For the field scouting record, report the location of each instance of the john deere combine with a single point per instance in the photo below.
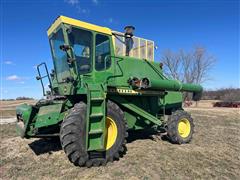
(104, 84)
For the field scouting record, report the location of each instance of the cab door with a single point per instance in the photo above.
(103, 58)
(61, 66)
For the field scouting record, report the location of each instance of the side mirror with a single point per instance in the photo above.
(64, 47)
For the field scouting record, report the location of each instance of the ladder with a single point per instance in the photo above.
(96, 115)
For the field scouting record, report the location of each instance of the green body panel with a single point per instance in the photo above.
(143, 108)
(24, 114)
(173, 100)
(147, 110)
(48, 115)
(25, 111)
(34, 118)
(126, 67)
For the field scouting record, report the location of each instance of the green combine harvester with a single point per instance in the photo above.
(104, 84)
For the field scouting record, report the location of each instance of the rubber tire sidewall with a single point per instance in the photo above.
(172, 127)
(113, 111)
(73, 135)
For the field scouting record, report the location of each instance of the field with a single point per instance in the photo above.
(7, 108)
(212, 154)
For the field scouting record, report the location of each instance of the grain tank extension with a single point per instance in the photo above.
(103, 85)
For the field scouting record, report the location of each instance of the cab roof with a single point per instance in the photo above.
(74, 22)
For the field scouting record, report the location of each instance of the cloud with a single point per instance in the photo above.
(8, 63)
(82, 10)
(110, 20)
(13, 78)
(72, 2)
(95, 2)
(76, 4)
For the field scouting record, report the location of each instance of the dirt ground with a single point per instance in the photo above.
(214, 153)
(7, 108)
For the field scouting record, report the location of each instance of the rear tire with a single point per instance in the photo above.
(180, 127)
(73, 135)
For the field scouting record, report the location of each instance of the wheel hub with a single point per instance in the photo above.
(184, 128)
(111, 135)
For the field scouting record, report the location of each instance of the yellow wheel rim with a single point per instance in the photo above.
(184, 128)
(111, 132)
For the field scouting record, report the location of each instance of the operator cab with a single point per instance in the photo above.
(83, 46)
(72, 42)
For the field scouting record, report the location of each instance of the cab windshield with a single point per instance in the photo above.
(59, 56)
(81, 42)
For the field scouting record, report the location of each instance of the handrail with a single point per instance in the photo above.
(40, 77)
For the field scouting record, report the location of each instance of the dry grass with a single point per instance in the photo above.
(8, 108)
(212, 154)
(5, 104)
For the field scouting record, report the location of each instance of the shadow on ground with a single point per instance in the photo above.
(49, 145)
(46, 145)
(144, 135)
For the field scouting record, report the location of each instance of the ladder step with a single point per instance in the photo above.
(95, 115)
(96, 131)
(96, 99)
(95, 90)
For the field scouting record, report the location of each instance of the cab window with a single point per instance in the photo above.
(102, 54)
(59, 56)
(81, 41)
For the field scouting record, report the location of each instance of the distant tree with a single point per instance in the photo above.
(24, 98)
(188, 67)
(226, 94)
(7, 99)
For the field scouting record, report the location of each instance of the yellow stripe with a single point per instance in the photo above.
(78, 23)
(114, 45)
(138, 92)
(122, 91)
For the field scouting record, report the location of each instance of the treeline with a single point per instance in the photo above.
(224, 94)
(24, 98)
(18, 98)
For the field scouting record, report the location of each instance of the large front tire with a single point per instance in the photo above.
(73, 135)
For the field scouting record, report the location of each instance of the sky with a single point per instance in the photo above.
(171, 24)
